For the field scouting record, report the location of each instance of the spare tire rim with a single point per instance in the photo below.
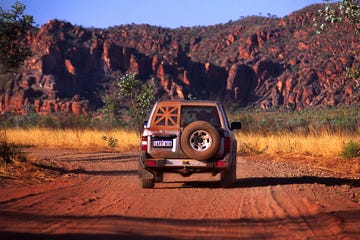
(200, 140)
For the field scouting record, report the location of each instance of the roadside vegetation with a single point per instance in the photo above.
(116, 139)
(328, 132)
(314, 132)
(320, 145)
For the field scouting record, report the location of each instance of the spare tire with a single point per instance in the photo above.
(200, 140)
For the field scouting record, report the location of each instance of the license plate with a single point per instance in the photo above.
(162, 143)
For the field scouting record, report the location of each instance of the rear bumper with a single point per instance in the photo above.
(179, 165)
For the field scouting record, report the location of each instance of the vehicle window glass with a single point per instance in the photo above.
(191, 114)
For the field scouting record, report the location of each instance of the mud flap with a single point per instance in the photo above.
(142, 173)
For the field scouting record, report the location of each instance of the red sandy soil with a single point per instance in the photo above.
(97, 195)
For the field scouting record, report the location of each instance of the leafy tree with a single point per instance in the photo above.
(139, 96)
(343, 11)
(14, 25)
(136, 96)
(112, 109)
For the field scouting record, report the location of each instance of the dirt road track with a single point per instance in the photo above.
(98, 197)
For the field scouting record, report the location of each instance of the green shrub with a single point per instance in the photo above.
(111, 142)
(351, 150)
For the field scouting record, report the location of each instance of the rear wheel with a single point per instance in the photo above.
(159, 177)
(228, 176)
(147, 183)
(147, 179)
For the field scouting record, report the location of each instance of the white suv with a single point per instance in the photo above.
(187, 137)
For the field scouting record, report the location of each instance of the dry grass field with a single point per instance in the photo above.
(323, 144)
(72, 138)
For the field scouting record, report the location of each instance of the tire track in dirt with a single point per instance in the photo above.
(32, 193)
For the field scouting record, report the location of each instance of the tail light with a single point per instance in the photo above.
(150, 163)
(221, 164)
(144, 144)
(227, 144)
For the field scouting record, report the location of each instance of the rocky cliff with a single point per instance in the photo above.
(255, 61)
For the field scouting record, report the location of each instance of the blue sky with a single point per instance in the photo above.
(165, 13)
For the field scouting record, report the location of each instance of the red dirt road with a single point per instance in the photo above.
(98, 197)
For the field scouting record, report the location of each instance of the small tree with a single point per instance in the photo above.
(129, 92)
(111, 111)
(14, 26)
(139, 96)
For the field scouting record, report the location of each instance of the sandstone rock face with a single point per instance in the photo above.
(256, 61)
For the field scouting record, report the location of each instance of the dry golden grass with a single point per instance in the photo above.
(323, 144)
(71, 138)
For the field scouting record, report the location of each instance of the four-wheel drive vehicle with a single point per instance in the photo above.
(187, 137)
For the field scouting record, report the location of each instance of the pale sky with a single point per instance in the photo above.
(165, 13)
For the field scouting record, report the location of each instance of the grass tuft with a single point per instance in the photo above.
(9, 151)
(351, 150)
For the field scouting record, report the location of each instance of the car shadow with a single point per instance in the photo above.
(272, 181)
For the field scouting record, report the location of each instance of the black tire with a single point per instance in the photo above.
(147, 183)
(159, 177)
(200, 140)
(228, 176)
(147, 179)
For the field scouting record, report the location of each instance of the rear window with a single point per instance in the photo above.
(166, 116)
(191, 114)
